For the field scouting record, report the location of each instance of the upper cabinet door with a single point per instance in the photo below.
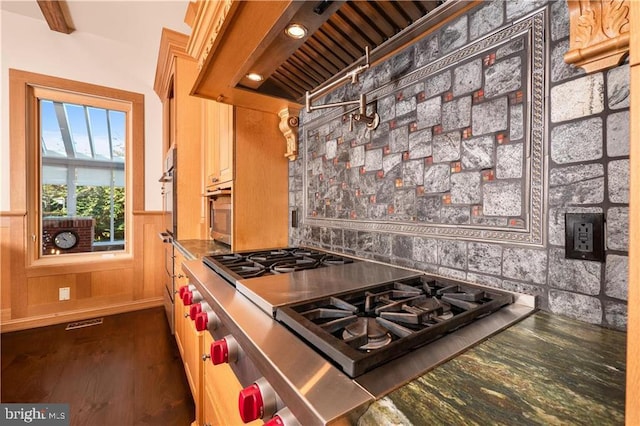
(227, 143)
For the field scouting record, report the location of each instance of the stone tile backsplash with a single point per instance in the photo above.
(476, 161)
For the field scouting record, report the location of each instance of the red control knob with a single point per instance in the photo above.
(207, 320)
(275, 421)
(250, 403)
(182, 290)
(191, 296)
(194, 310)
(257, 401)
(219, 352)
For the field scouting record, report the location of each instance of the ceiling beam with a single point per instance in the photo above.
(54, 14)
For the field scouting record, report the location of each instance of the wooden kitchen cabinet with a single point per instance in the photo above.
(190, 340)
(218, 140)
(244, 152)
(176, 72)
(220, 392)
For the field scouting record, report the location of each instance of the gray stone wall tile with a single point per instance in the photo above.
(485, 258)
(503, 77)
(518, 8)
(373, 160)
(577, 141)
(615, 314)
(331, 149)
(577, 173)
(389, 162)
(387, 108)
(618, 173)
(437, 84)
(356, 156)
(482, 279)
(509, 161)
(477, 153)
(486, 19)
(426, 50)
(428, 209)
(425, 250)
(406, 106)
(618, 87)
(429, 112)
(453, 35)
(524, 264)
(456, 114)
(516, 127)
(402, 246)
(399, 139)
(616, 278)
(453, 215)
(580, 276)
(502, 199)
(514, 46)
(413, 173)
(465, 188)
(436, 178)
(420, 143)
(560, 70)
(577, 98)
(446, 147)
(618, 228)
(585, 192)
(557, 222)
(489, 116)
(452, 253)
(618, 134)
(467, 77)
(451, 273)
(576, 306)
(337, 238)
(560, 20)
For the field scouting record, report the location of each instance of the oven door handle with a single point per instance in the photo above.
(218, 192)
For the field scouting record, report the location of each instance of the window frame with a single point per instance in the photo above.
(25, 89)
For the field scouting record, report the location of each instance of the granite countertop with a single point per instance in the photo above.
(195, 249)
(546, 369)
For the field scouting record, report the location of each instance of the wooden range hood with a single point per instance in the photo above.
(233, 38)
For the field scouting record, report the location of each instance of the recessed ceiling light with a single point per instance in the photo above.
(255, 76)
(296, 31)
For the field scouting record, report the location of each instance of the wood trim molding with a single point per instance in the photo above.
(289, 128)
(56, 14)
(599, 33)
(81, 314)
(172, 44)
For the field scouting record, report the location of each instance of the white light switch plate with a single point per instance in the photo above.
(64, 293)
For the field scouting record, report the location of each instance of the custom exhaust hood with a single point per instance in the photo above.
(232, 39)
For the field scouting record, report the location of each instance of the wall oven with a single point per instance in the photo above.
(220, 215)
(168, 180)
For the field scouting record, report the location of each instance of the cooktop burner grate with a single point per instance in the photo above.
(243, 265)
(362, 329)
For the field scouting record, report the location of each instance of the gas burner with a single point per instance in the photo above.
(293, 265)
(248, 269)
(269, 255)
(331, 259)
(229, 259)
(366, 334)
(362, 329)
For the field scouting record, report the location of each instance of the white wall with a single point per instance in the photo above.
(29, 45)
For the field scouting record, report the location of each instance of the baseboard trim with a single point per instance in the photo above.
(77, 315)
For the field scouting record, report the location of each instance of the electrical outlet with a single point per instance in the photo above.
(294, 218)
(64, 293)
(584, 236)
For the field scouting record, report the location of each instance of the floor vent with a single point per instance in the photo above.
(85, 323)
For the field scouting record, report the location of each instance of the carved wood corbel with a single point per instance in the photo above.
(598, 33)
(289, 128)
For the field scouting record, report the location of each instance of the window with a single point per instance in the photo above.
(82, 180)
(83, 151)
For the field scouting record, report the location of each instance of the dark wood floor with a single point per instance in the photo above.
(126, 371)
